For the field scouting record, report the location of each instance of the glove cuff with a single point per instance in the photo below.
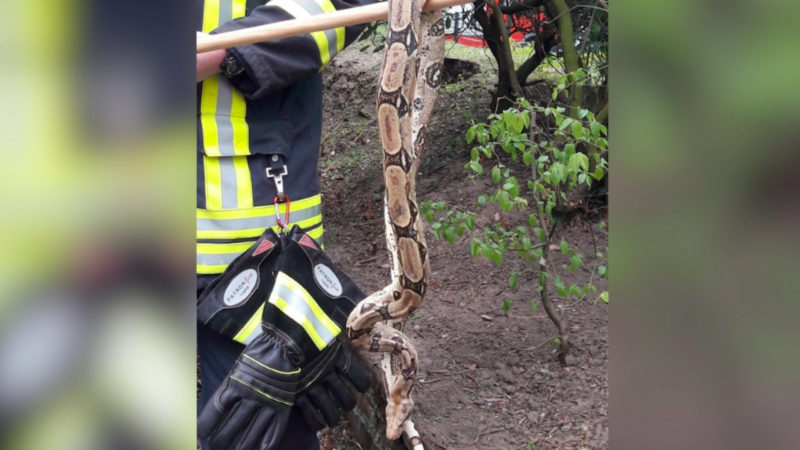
(231, 304)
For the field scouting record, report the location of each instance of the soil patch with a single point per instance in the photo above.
(488, 378)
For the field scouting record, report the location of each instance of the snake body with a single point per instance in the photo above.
(407, 90)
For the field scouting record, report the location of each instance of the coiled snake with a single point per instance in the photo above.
(407, 91)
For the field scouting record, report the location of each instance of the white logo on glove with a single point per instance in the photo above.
(240, 287)
(327, 280)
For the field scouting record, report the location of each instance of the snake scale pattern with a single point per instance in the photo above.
(407, 90)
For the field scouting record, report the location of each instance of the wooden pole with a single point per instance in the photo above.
(277, 30)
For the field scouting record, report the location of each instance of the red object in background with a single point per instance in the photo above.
(470, 41)
(520, 27)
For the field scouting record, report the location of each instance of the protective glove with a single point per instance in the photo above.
(232, 304)
(251, 408)
(323, 394)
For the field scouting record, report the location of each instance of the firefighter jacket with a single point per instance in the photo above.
(269, 117)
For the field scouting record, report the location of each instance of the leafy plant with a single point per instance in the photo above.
(549, 164)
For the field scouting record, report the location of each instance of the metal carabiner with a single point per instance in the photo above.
(275, 202)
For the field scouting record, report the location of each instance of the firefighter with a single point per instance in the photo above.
(258, 134)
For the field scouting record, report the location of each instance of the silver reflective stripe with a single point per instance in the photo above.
(227, 175)
(250, 223)
(224, 125)
(302, 310)
(256, 333)
(313, 8)
(225, 11)
(223, 117)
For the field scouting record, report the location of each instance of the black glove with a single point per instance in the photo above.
(231, 304)
(252, 406)
(322, 393)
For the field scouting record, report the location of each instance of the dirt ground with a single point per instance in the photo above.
(488, 379)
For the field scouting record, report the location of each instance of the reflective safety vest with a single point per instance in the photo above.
(269, 117)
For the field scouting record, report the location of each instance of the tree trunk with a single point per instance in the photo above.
(545, 40)
(558, 9)
(495, 33)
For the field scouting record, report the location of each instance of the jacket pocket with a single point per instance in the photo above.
(230, 135)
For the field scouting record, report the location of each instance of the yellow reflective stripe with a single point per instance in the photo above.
(328, 7)
(208, 98)
(210, 15)
(211, 270)
(213, 179)
(298, 12)
(238, 110)
(294, 301)
(261, 392)
(237, 248)
(238, 9)
(252, 232)
(316, 234)
(289, 282)
(208, 122)
(303, 321)
(259, 211)
(244, 186)
(250, 326)
(292, 372)
(241, 131)
(221, 248)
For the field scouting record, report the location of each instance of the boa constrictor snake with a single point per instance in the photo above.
(407, 91)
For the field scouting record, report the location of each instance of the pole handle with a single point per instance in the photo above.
(295, 27)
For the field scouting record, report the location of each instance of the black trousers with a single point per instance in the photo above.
(217, 355)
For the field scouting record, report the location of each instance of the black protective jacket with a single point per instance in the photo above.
(270, 116)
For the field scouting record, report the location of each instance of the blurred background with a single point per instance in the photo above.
(97, 187)
(705, 224)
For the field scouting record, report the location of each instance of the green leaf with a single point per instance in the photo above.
(603, 297)
(567, 122)
(513, 280)
(602, 225)
(506, 304)
(429, 215)
(496, 174)
(577, 130)
(481, 199)
(602, 271)
(469, 223)
(559, 284)
(476, 167)
(576, 261)
(450, 235)
(578, 161)
(473, 248)
(532, 221)
(527, 158)
(574, 290)
(564, 247)
(534, 305)
(595, 128)
(470, 135)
